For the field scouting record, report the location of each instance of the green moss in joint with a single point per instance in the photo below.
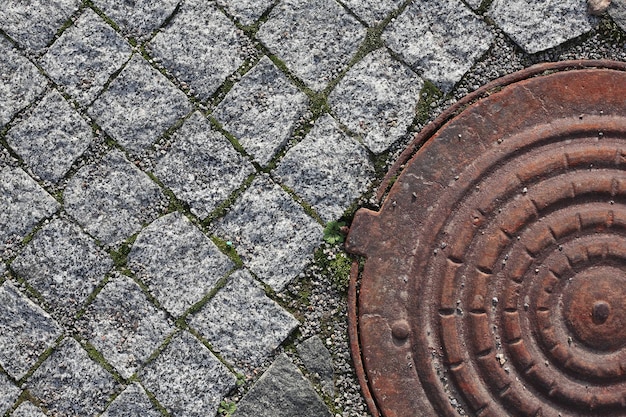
(429, 94)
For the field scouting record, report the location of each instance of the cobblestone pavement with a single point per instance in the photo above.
(168, 169)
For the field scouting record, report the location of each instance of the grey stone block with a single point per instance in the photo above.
(8, 393)
(242, 323)
(318, 361)
(51, 137)
(440, 39)
(474, 4)
(200, 46)
(377, 99)
(132, 402)
(271, 233)
(617, 11)
(373, 11)
(20, 82)
(187, 379)
(70, 384)
(132, 327)
(328, 169)
(282, 391)
(85, 56)
(139, 105)
(26, 331)
(112, 199)
(178, 262)
(201, 167)
(315, 38)
(536, 26)
(246, 11)
(262, 110)
(138, 18)
(27, 409)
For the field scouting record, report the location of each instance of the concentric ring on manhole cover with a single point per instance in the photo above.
(495, 274)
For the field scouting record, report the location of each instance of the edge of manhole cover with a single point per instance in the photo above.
(494, 280)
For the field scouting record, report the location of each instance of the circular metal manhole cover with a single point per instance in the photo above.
(495, 274)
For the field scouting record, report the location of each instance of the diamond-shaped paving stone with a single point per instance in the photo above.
(201, 47)
(8, 393)
(20, 82)
(85, 56)
(316, 38)
(373, 11)
(271, 232)
(441, 39)
(328, 169)
(139, 105)
(261, 110)
(27, 409)
(539, 25)
(132, 402)
(138, 18)
(246, 11)
(26, 331)
(63, 264)
(124, 326)
(51, 137)
(178, 262)
(112, 199)
(242, 323)
(187, 379)
(377, 99)
(34, 23)
(70, 384)
(23, 203)
(202, 168)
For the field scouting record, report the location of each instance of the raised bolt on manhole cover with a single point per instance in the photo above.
(494, 280)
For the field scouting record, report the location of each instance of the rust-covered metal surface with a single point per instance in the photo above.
(494, 280)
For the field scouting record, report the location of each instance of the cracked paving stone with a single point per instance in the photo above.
(132, 402)
(137, 18)
(536, 26)
(27, 409)
(20, 82)
(282, 391)
(139, 106)
(112, 199)
(242, 323)
(377, 99)
(246, 11)
(271, 232)
(8, 393)
(26, 331)
(51, 137)
(262, 110)
(440, 39)
(70, 384)
(187, 379)
(178, 263)
(33, 24)
(123, 325)
(23, 204)
(200, 47)
(328, 169)
(85, 56)
(63, 264)
(373, 11)
(201, 167)
(316, 38)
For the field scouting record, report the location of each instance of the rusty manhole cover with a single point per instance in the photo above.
(495, 275)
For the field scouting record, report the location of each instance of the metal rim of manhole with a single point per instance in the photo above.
(494, 274)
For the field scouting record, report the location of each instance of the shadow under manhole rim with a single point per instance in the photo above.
(494, 280)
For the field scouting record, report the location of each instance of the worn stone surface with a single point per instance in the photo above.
(27, 409)
(246, 11)
(132, 402)
(328, 169)
(201, 167)
(318, 361)
(373, 12)
(242, 323)
(26, 331)
(69, 383)
(262, 110)
(617, 11)
(271, 232)
(316, 39)
(187, 379)
(179, 264)
(440, 39)
(536, 26)
(51, 137)
(85, 56)
(139, 105)
(200, 46)
(8, 393)
(112, 199)
(138, 18)
(282, 391)
(377, 99)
